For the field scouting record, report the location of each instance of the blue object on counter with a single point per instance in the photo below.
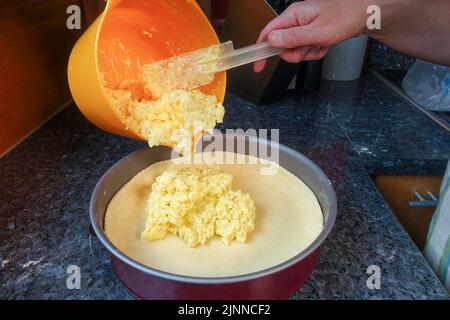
(428, 84)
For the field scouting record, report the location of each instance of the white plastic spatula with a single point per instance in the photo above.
(195, 69)
(232, 58)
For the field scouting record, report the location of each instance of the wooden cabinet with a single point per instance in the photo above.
(35, 44)
(92, 9)
(206, 6)
(398, 191)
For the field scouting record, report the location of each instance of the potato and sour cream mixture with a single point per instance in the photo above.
(202, 220)
(173, 120)
(196, 204)
(167, 117)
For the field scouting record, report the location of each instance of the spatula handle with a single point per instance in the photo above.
(249, 54)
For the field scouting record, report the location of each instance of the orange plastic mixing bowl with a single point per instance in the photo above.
(129, 34)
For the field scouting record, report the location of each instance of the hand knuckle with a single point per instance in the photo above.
(325, 41)
(290, 37)
(294, 6)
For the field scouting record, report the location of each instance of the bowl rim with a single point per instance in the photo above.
(332, 212)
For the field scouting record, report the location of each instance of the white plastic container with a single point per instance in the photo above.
(345, 60)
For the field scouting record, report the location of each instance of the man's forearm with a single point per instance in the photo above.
(416, 27)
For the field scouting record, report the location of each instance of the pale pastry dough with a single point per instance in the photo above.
(288, 219)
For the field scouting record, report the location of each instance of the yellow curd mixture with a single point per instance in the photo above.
(287, 218)
(167, 117)
(173, 120)
(197, 204)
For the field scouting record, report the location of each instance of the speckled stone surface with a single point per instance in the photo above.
(384, 58)
(352, 130)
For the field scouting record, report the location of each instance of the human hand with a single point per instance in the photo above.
(307, 29)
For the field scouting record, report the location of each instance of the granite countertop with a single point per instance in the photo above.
(352, 130)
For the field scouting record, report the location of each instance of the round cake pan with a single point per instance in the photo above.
(279, 282)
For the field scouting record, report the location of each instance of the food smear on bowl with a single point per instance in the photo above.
(288, 220)
(183, 72)
(197, 204)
